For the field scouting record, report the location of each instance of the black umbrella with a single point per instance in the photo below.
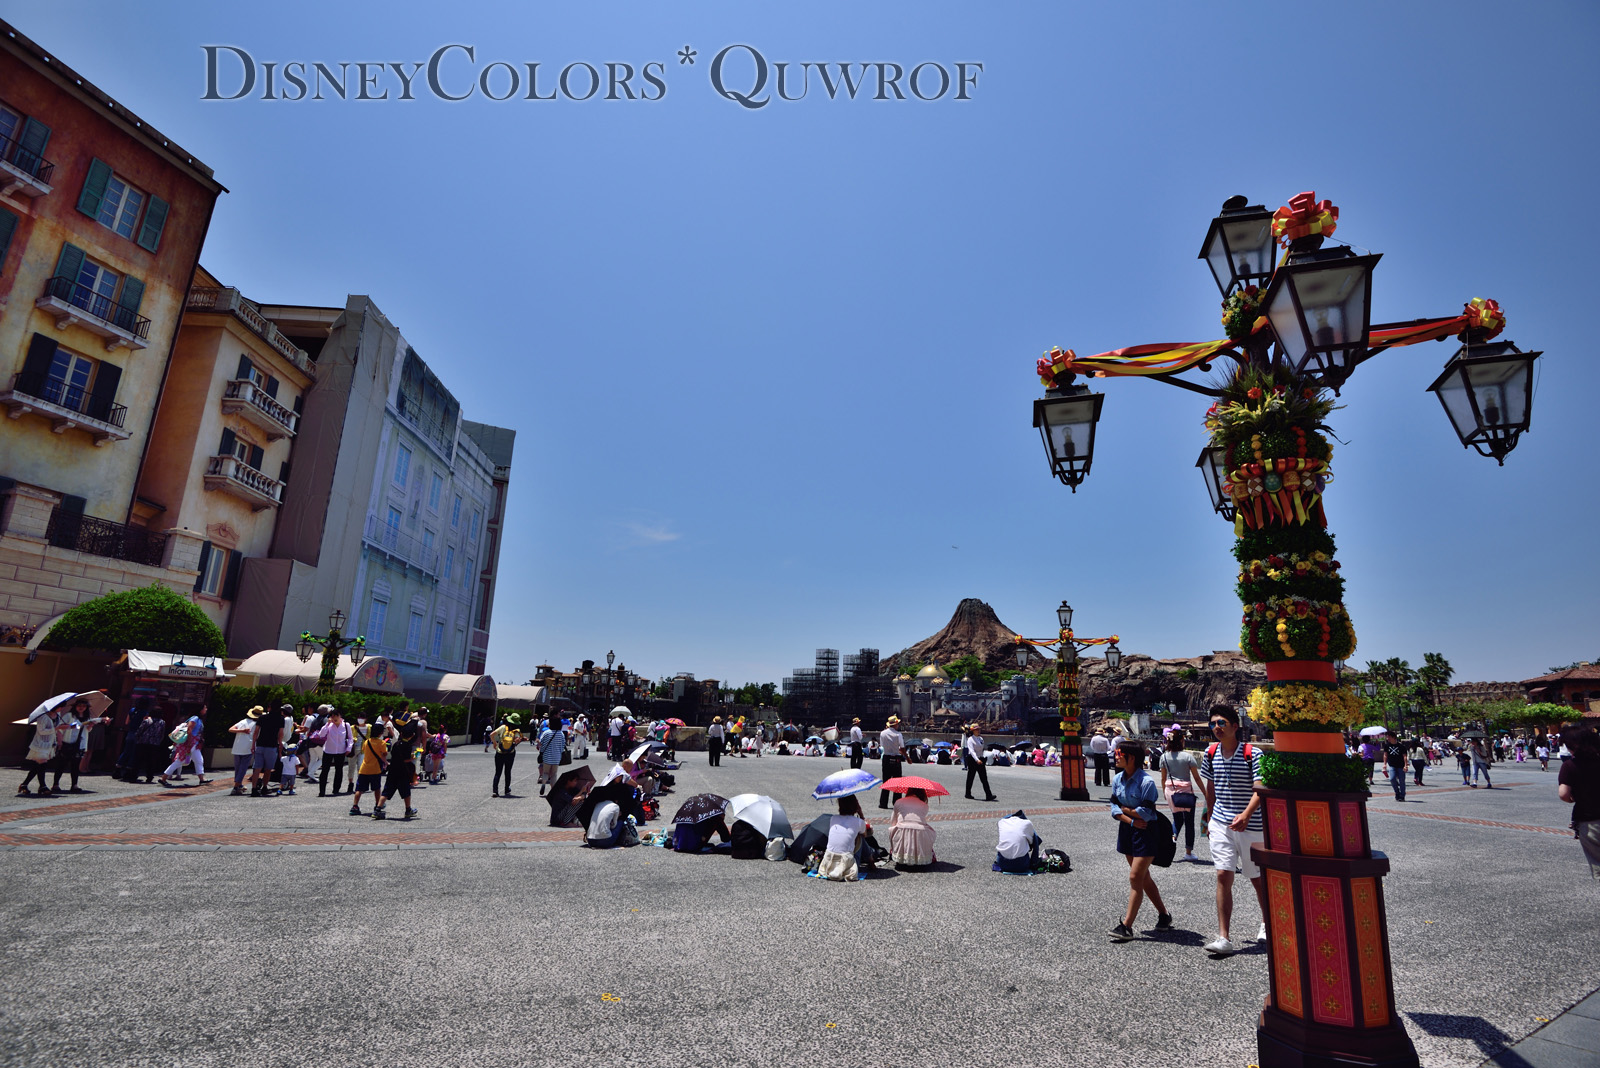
(701, 808)
(563, 796)
(1026, 745)
(813, 835)
(617, 790)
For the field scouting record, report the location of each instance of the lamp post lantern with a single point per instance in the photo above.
(1073, 785)
(1297, 328)
(331, 644)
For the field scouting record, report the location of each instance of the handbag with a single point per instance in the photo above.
(1166, 845)
(1185, 799)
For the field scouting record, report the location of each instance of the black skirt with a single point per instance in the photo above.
(1134, 842)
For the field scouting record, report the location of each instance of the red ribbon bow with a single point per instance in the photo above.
(1304, 216)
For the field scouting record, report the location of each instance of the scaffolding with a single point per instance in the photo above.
(821, 696)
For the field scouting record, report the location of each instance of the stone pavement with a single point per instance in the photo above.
(478, 932)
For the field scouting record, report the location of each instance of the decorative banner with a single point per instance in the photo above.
(1304, 217)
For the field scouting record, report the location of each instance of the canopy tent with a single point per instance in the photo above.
(522, 698)
(477, 693)
(279, 667)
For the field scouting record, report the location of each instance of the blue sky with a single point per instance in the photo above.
(772, 370)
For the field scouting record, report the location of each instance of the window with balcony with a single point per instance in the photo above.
(111, 301)
(115, 203)
(22, 143)
(249, 372)
(402, 466)
(391, 530)
(434, 491)
(455, 513)
(63, 385)
(252, 456)
(427, 543)
(477, 521)
(449, 560)
(377, 617)
(438, 638)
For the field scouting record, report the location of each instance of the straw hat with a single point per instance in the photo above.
(256, 713)
(856, 720)
(894, 721)
(716, 719)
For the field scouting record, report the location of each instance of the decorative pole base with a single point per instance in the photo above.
(1331, 994)
(1073, 785)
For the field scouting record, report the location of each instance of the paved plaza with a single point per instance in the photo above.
(188, 927)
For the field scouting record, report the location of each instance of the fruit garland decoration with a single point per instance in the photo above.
(1277, 463)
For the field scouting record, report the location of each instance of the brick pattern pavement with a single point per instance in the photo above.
(69, 808)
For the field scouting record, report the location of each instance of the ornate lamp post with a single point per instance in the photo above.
(1073, 784)
(1296, 330)
(332, 644)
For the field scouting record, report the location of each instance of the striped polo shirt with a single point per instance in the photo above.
(1232, 781)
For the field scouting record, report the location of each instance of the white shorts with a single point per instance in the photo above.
(1230, 849)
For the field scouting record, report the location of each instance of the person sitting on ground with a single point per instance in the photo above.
(846, 832)
(694, 837)
(605, 826)
(1018, 848)
(748, 842)
(910, 834)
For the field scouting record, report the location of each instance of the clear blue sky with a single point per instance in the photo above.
(771, 370)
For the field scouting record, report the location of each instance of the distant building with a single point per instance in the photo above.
(393, 513)
(1477, 693)
(102, 218)
(1576, 686)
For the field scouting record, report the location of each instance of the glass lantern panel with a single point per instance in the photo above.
(1217, 260)
(1071, 427)
(1458, 406)
(1334, 299)
(1501, 389)
(1250, 243)
(1286, 323)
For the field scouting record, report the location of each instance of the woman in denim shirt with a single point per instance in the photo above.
(1133, 806)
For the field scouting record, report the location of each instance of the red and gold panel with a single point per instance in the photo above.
(1316, 828)
(1328, 963)
(1285, 950)
(1354, 841)
(1369, 951)
(1278, 824)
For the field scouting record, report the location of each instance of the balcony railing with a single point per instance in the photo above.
(100, 537)
(22, 171)
(65, 405)
(231, 301)
(401, 547)
(232, 475)
(72, 303)
(244, 397)
(438, 432)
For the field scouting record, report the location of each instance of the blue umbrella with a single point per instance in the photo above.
(815, 738)
(943, 745)
(843, 783)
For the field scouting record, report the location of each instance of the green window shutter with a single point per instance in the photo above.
(244, 366)
(230, 584)
(258, 455)
(132, 294)
(272, 387)
(205, 556)
(69, 263)
(155, 220)
(36, 366)
(30, 146)
(104, 392)
(8, 227)
(228, 439)
(94, 188)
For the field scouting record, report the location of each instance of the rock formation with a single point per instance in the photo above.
(974, 630)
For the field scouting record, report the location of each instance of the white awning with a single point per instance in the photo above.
(279, 667)
(175, 665)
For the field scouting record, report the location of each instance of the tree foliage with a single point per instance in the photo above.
(153, 618)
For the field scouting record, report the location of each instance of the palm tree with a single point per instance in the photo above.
(1435, 675)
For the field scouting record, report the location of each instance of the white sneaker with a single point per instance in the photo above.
(1191, 856)
(1221, 948)
(1261, 935)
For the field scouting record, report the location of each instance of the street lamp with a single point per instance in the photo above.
(1487, 391)
(1064, 615)
(1065, 418)
(1023, 652)
(1213, 465)
(1239, 246)
(1113, 657)
(1320, 307)
(1073, 787)
(331, 644)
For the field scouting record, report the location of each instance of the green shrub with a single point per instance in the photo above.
(153, 618)
(1314, 772)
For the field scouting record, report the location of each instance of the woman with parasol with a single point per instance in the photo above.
(910, 834)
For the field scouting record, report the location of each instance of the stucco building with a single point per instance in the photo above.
(394, 508)
(102, 218)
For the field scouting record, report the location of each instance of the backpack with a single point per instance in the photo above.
(1056, 861)
(1211, 750)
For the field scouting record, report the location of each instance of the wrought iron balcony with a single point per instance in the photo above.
(66, 406)
(244, 397)
(400, 547)
(22, 171)
(78, 305)
(101, 537)
(232, 475)
(231, 301)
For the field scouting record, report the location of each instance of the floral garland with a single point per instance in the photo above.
(1303, 216)
(1291, 566)
(1240, 311)
(1287, 706)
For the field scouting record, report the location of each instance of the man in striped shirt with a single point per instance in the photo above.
(1232, 771)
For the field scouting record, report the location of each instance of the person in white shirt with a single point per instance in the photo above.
(893, 744)
(605, 826)
(714, 738)
(616, 738)
(845, 832)
(972, 756)
(338, 741)
(1018, 846)
(244, 743)
(1100, 754)
(857, 750)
